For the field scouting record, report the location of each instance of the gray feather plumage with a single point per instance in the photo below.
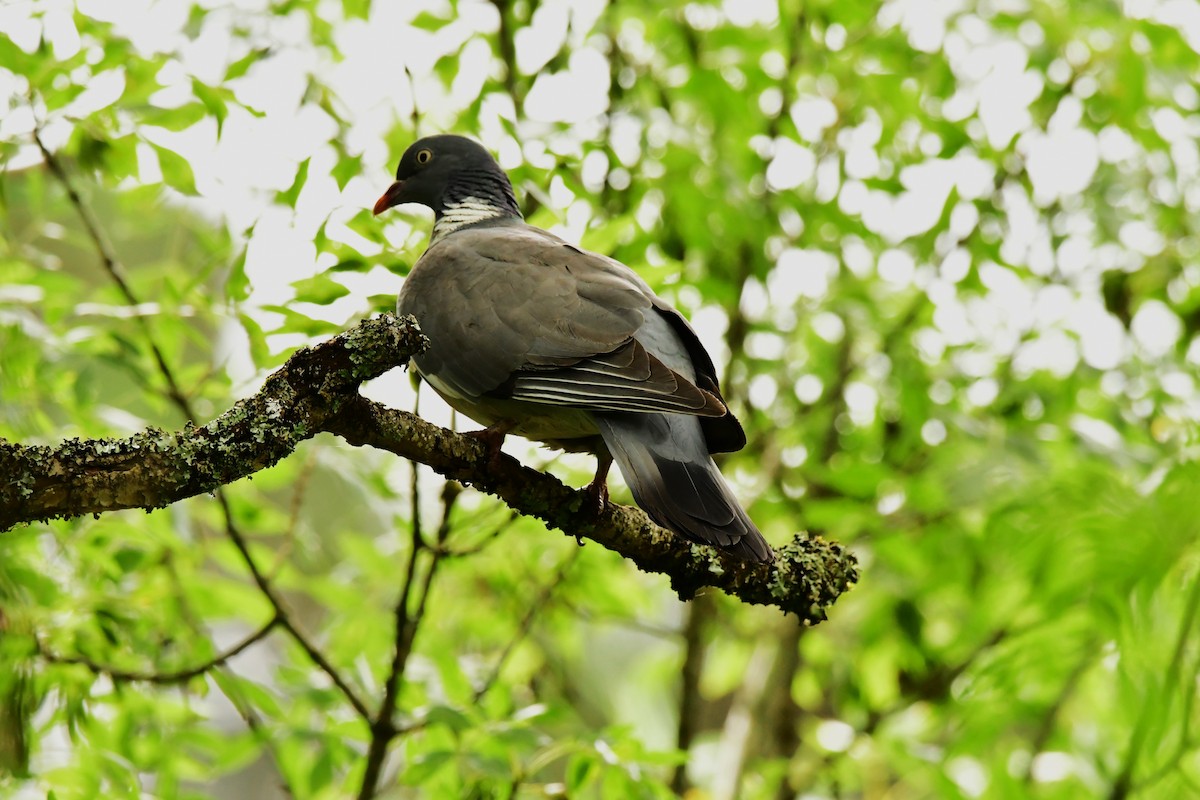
(575, 349)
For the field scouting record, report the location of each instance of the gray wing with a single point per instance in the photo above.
(515, 312)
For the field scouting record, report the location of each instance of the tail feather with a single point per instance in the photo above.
(666, 463)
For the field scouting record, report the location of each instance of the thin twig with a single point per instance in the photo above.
(231, 690)
(526, 623)
(299, 491)
(115, 270)
(383, 726)
(482, 544)
(285, 620)
(691, 700)
(176, 676)
(416, 112)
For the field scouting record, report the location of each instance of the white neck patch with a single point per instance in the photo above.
(466, 212)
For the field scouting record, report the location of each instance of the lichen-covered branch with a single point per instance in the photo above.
(155, 468)
(317, 390)
(808, 575)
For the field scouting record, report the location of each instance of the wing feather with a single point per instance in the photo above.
(514, 312)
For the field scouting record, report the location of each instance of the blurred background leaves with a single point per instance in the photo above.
(944, 254)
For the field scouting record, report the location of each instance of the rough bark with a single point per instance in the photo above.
(317, 390)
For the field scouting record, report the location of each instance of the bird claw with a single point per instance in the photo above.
(597, 492)
(492, 438)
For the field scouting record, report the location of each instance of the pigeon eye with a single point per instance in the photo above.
(424, 156)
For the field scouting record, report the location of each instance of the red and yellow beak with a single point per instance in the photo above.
(391, 197)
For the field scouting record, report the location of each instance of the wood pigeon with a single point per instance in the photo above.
(531, 335)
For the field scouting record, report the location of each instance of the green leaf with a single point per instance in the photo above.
(321, 774)
(321, 238)
(448, 717)
(295, 322)
(13, 57)
(356, 9)
(121, 158)
(129, 558)
(239, 68)
(289, 197)
(350, 265)
(237, 284)
(382, 302)
(92, 149)
(428, 21)
(175, 119)
(214, 99)
(260, 353)
(259, 696)
(195, 21)
(425, 766)
(346, 168)
(447, 66)
(319, 289)
(455, 684)
(580, 769)
(177, 172)
(364, 224)
(41, 588)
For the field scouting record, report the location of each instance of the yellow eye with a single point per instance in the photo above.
(424, 156)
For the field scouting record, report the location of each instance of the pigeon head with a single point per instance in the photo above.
(455, 177)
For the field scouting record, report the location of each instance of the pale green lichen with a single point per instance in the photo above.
(708, 559)
(379, 344)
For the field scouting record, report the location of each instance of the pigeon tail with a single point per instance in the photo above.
(666, 463)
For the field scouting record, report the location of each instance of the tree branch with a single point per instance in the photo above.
(383, 727)
(317, 390)
(175, 676)
(155, 468)
(284, 618)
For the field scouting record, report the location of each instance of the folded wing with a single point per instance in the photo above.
(515, 312)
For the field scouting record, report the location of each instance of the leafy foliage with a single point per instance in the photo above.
(946, 259)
